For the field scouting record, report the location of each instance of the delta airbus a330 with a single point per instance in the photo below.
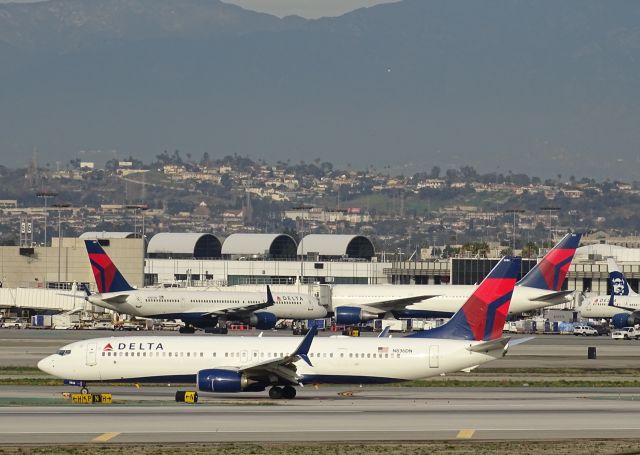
(236, 364)
(540, 288)
(204, 309)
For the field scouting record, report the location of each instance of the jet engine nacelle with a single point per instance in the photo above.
(263, 320)
(349, 315)
(621, 320)
(222, 381)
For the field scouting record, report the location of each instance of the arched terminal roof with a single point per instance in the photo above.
(271, 246)
(184, 245)
(109, 235)
(337, 246)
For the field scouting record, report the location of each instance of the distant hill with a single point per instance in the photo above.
(543, 87)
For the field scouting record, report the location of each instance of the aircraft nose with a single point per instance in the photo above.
(46, 365)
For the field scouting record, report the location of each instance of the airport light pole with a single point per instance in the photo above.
(46, 195)
(514, 212)
(549, 210)
(60, 206)
(139, 208)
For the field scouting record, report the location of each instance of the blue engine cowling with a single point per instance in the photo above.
(222, 381)
(349, 315)
(621, 320)
(263, 320)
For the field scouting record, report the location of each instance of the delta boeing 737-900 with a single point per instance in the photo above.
(251, 364)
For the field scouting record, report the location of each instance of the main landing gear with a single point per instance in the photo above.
(287, 392)
(187, 329)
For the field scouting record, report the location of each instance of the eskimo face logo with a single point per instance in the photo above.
(107, 348)
(618, 284)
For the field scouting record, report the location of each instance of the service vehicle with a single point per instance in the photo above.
(626, 333)
(585, 330)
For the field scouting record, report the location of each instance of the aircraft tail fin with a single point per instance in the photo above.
(617, 280)
(551, 271)
(483, 315)
(108, 277)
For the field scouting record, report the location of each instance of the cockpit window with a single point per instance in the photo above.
(64, 352)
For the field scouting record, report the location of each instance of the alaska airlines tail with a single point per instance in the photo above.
(483, 315)
(108, 277)
(617, 281)
(550, 273)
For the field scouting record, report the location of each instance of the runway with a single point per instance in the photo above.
(371, 414)
(38, 415)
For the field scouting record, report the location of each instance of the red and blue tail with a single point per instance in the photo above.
(108, 277)
(483, 315)
(550, 273)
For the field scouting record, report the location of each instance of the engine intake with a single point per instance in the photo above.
(349, 315)
(621, 320)
(221, 381)
(263, 320)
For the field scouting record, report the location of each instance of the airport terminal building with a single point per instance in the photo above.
(204, 259)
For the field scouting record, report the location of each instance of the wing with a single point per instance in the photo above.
(395, 304)
(241, 309)
(283, 367)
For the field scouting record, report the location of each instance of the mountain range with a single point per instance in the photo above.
(542, 87)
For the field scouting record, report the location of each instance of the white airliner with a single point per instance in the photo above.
(472, 337)
(622, 306)
(204, 309)
(539, 288)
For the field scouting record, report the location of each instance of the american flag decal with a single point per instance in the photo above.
(382, 350)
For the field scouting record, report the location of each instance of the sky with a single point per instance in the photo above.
(305, 8)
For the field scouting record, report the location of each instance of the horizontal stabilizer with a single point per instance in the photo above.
(487, 346)
(552, 296)
(518, 341)
(120, 298)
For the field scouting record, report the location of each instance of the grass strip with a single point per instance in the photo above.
(574, 447)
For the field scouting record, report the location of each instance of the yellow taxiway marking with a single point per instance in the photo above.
(465, 434)
(104, 437)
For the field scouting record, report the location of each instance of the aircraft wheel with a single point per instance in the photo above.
(275, 393)
(288, 392)
(187, 330)
(84, 390)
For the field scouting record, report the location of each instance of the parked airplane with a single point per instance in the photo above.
(472, 337)
(203, 309)
(622, 306)
(539, 288)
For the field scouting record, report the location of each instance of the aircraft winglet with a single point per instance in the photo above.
(270, 300)
(302, 350)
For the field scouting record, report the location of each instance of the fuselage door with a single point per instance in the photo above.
(434, 356)
(91, 354)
